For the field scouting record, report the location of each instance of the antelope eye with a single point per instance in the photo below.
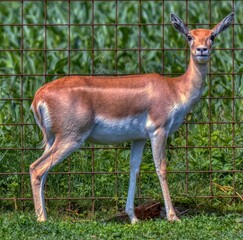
(212, 38)
(189, 38)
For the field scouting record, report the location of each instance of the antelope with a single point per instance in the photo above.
(111, 110)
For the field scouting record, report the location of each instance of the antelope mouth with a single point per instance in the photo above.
(202, 58)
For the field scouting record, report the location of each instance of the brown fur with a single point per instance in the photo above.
(69, 110)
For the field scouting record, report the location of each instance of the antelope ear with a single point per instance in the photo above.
(178, 24)
(223, 25)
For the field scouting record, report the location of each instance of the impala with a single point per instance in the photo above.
(110, 110)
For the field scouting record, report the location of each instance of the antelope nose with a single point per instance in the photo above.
(202, 50)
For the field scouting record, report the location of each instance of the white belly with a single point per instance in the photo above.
(119, 130)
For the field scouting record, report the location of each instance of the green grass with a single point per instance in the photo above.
(24, 226)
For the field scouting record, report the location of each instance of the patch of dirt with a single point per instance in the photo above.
(151, 210)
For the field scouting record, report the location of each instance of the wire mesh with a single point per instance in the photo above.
(44, 40)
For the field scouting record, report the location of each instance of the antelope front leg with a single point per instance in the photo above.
(135, 161)
(158, 142)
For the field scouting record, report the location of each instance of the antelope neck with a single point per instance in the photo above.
(196, 73)
(190, 84)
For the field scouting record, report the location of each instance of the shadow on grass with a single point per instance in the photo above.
(155, 210)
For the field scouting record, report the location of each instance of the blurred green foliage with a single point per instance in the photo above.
(34, 37)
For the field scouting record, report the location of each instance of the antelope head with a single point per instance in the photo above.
(201, 40)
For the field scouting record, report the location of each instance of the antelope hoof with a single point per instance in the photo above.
(134, 220)
(41, 219)
(173, 218)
